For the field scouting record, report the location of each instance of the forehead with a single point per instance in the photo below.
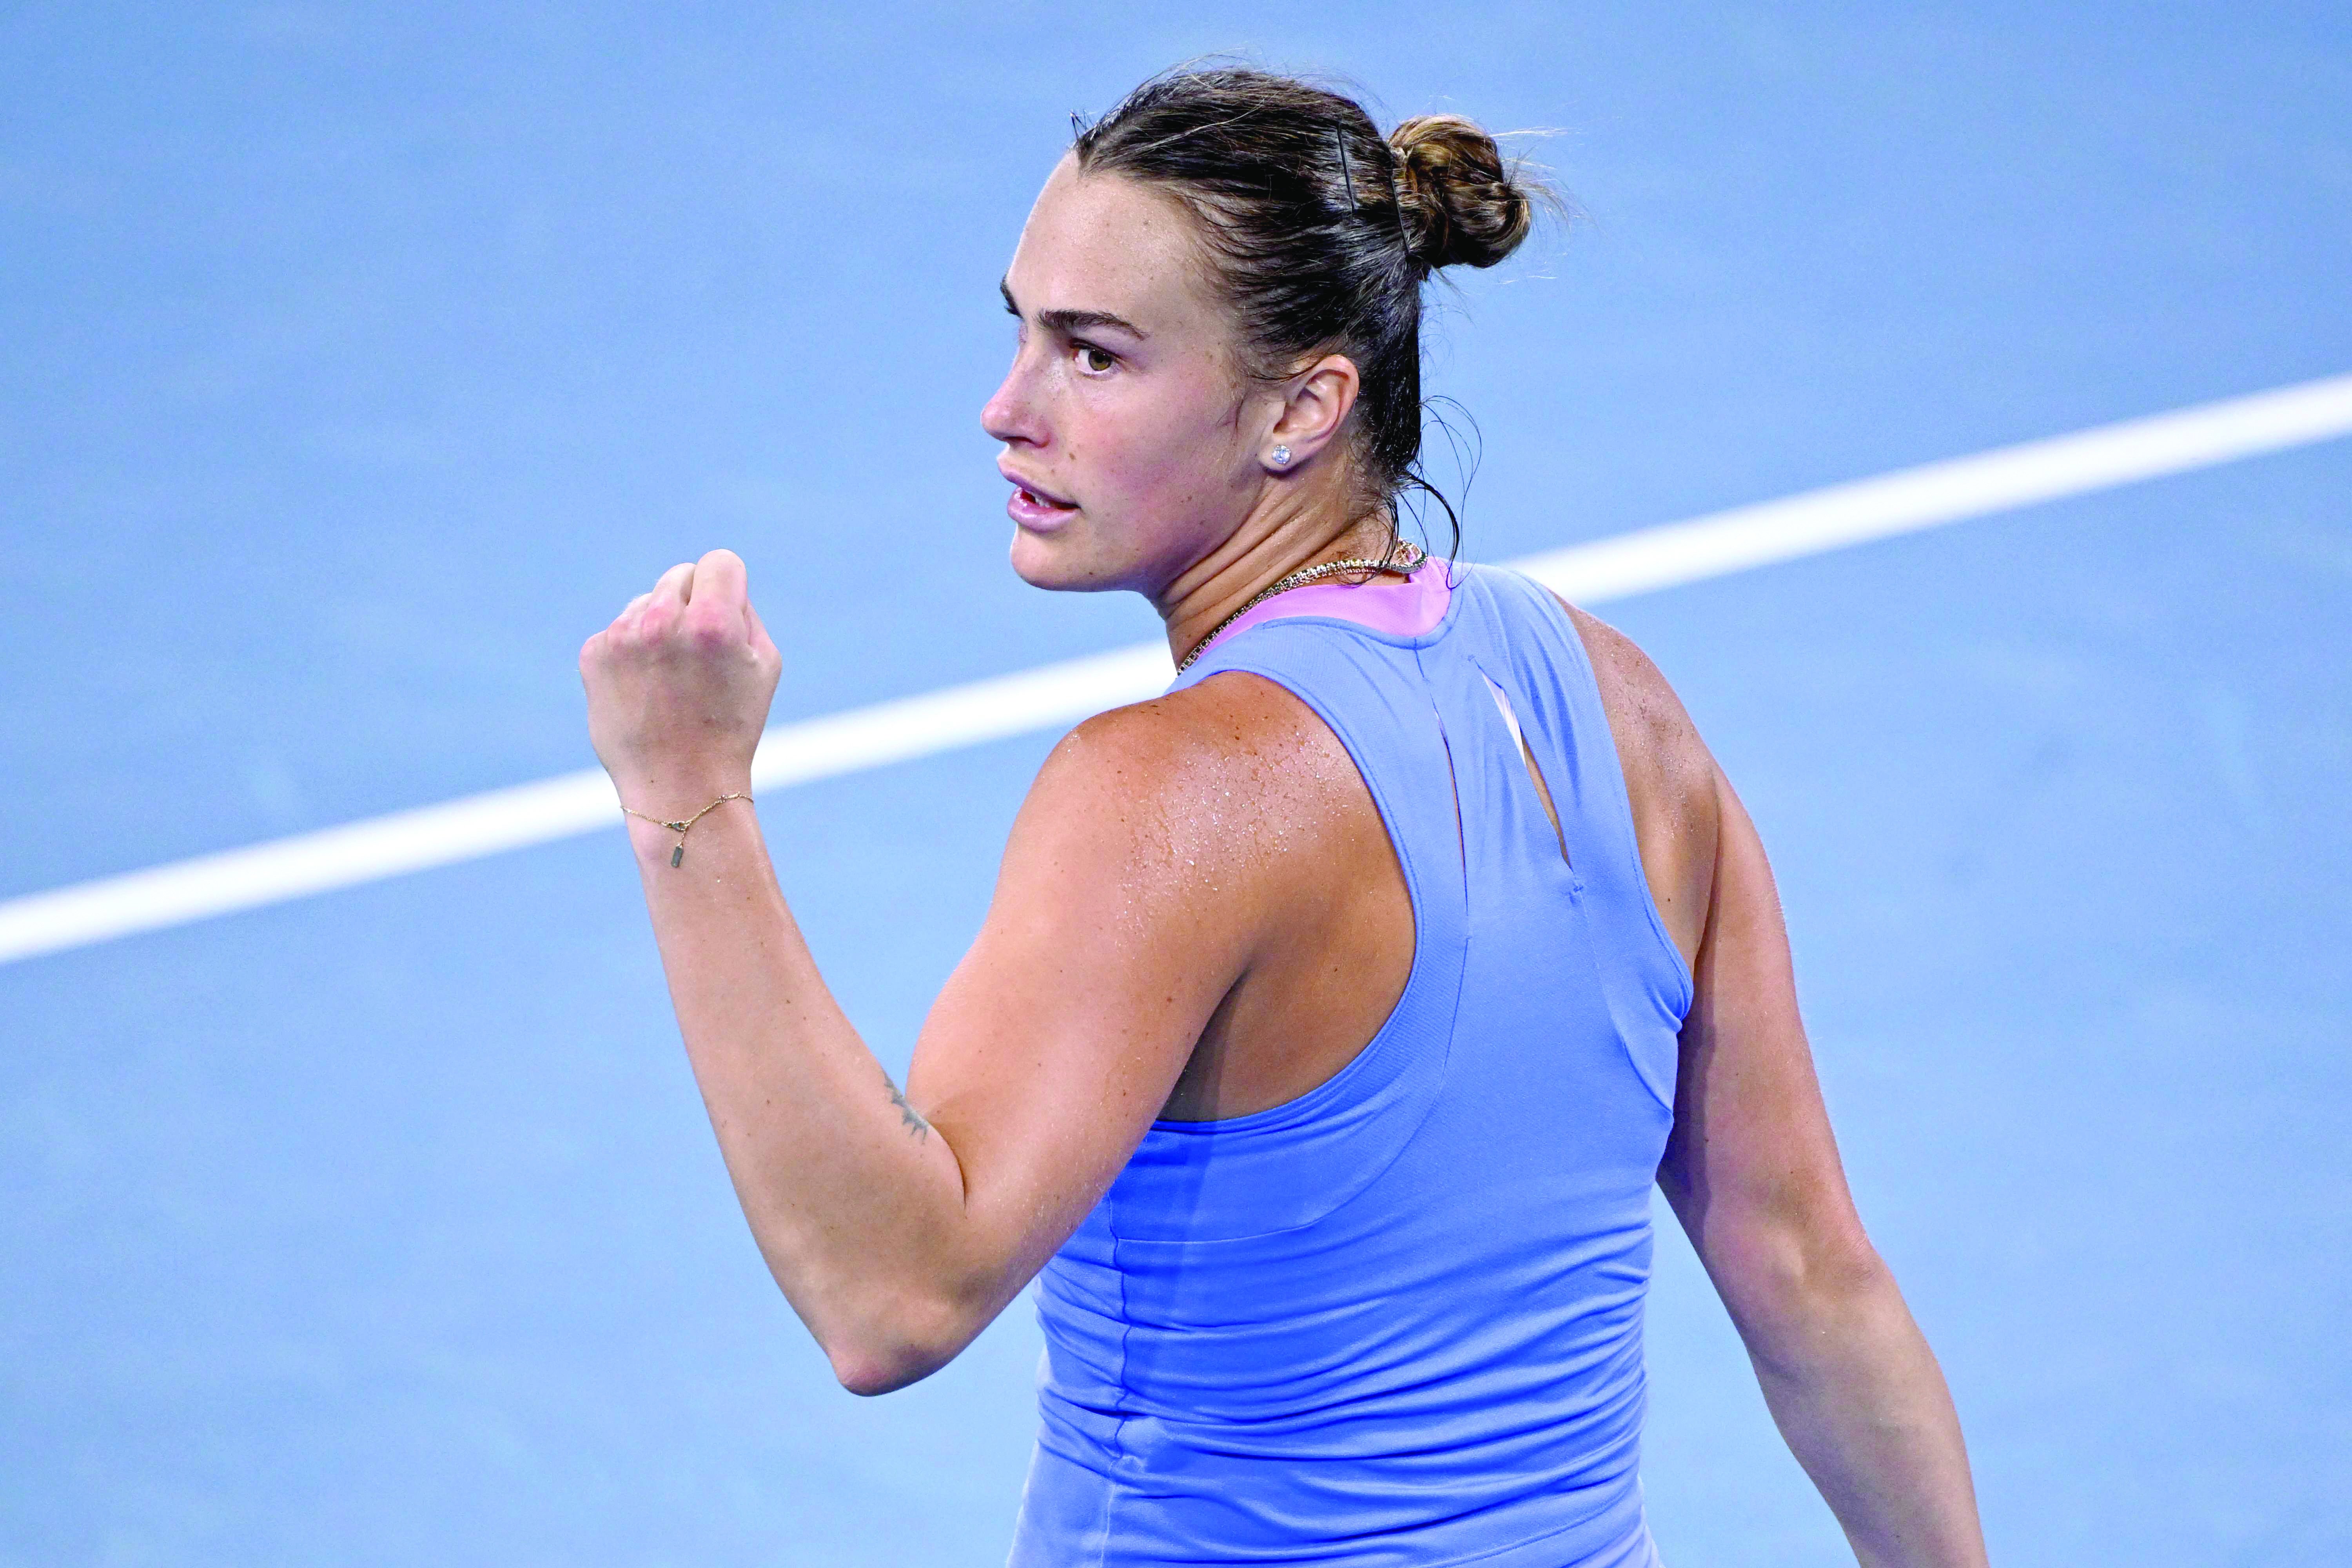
(1104, 242)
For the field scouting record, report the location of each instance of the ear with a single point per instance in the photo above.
(1315, 410)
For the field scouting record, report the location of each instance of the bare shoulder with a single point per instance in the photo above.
(1651, 727)
(1226, 831)
(1670, 775)
(1264, 870)
(1231, 733)
(1215, 773)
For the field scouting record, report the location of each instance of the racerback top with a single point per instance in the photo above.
(1396, 1322)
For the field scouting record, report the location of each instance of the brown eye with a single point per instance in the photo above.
(1097, 361)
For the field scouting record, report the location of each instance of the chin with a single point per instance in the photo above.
(1054, 565)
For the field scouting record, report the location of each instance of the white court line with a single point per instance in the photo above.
(1677, 553)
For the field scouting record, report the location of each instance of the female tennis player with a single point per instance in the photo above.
(1335, 1010)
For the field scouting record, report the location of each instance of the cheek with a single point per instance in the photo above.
(1173, 441)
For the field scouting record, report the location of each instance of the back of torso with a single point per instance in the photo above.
(1397, 1319)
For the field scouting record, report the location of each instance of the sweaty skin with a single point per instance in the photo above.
(1198, 913)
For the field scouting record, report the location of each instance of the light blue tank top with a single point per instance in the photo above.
(1397, 1321)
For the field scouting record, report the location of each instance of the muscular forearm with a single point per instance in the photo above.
(1858, 1395)
(855, 1202)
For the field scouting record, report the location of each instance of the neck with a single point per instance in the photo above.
(1277, 540)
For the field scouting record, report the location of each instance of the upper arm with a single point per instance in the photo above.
(1751, 1168)
(1123, 913)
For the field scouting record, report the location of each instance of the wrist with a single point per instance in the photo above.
(650, 833)
(668, 793)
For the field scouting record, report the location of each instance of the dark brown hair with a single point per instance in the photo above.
(1320, 231)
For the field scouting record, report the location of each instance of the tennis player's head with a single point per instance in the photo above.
(1219, 297)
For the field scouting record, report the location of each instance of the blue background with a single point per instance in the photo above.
(356, 362)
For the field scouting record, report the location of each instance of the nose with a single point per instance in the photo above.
(1012, 415)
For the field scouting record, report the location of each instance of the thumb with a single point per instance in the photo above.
(720, 577)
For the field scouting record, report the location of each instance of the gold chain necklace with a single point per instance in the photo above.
(1415, 555)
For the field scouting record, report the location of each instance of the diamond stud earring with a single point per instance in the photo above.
(1282, 456)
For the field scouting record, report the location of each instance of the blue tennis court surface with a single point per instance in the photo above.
(356, 364)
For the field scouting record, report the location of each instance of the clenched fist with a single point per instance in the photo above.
(678, 686)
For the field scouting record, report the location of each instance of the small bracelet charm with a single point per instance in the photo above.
(678, 854)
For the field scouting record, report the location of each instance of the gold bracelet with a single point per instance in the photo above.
(680, 828)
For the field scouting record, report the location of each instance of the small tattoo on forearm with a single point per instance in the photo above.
(908, 1114)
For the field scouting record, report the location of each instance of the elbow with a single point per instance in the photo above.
(1834, 1276)
(895, 1344)
(886, 1365)
(1812, 1302)
(868, 1370)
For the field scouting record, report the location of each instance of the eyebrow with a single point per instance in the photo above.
(1074, 321)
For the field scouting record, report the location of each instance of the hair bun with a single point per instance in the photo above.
(1461, 203)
